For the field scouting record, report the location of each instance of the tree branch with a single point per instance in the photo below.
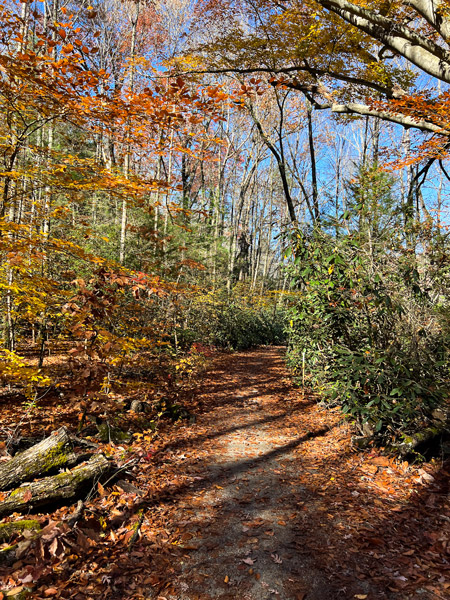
(422, 52)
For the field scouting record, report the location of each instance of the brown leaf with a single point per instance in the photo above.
(56, 548)
(276, 559)
(381, 461)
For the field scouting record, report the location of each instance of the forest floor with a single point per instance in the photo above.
(262, 497)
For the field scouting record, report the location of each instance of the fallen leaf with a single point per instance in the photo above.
(248, 561)
(361, 596)
(227, 579)
(276, 559)
(15, 591)
(381, 461)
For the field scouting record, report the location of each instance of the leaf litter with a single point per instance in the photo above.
(275, 484)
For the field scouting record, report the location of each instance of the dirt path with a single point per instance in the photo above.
(275, 504)
(245, 520)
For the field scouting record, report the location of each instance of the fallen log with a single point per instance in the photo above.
(63, 486)
(8, 530)
(410, 443)
(52, 453)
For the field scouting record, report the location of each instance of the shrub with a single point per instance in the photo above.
(374, 339)
(242, 320)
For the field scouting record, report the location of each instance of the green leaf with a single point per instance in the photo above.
(396, 391)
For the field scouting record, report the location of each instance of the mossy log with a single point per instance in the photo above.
(52, 453)
(7, 530)
(63, 486)
(8, 555)
(409, 443)
(11, 554)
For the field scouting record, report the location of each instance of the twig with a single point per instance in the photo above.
(133, 462)
(75, 517)
(84, 443)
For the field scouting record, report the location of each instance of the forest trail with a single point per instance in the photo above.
(245, 518)
(280, 506)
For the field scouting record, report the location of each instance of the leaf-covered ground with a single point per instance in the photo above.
(261, 497)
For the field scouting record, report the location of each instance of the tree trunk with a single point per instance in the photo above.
(63, 486)
(312, 155)
(52, 453)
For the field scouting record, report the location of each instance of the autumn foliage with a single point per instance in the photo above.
(181, 182)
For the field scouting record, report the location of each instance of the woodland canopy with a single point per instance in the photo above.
(182, 177)
(281, 177)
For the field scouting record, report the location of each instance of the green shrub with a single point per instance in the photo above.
(372, 339)
(242, 320)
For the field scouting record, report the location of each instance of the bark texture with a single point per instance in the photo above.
(52, 453)
(63, 486)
